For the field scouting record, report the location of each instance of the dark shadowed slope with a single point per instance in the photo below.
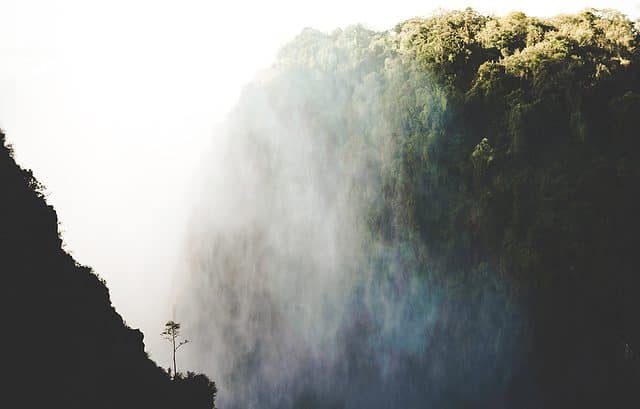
(67, 346)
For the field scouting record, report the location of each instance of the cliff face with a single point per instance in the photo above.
(68, 347)
(451, 208)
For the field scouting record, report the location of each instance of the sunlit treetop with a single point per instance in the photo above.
(465, 48)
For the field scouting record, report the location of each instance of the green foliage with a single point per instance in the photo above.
(507, 154)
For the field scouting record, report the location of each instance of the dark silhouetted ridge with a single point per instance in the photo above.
(68, 347)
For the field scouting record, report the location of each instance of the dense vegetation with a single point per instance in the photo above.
(537, 162)
(497, 161)
(65, 345)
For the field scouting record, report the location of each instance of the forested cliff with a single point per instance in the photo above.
(442, 215)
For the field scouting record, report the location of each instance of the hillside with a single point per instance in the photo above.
(442, 215)
(65, 344)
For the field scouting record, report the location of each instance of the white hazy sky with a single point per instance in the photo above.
(112, 102)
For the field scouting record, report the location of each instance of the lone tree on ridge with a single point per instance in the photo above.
(172, 334)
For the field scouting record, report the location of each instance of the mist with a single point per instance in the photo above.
(294, 298)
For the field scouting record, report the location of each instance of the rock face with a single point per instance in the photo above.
(67, 345)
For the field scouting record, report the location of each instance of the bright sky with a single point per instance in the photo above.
(111, 103)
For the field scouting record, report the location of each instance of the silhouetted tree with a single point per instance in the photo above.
(172, 334)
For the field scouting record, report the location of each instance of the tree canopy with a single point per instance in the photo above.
(495, 163)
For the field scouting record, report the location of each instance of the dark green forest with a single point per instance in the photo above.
(491, 167)
(534, 164)
(517, 169)
(65, 346)
(493, 163)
